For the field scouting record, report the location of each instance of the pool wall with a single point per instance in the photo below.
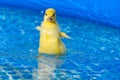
(103, 11)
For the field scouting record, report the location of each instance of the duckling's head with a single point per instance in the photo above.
(50, 15)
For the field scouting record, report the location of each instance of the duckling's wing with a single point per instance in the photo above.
(62, 34)
(38, 28)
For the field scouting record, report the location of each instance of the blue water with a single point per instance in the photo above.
(92, 54)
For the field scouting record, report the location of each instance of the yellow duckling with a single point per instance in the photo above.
(50, 42)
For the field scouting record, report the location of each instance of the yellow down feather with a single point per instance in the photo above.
(50, 42)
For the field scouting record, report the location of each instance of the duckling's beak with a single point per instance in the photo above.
(49, 19)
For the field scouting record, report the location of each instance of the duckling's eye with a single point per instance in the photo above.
(46, 14)
(53, 15)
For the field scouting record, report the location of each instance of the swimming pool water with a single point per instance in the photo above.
(92, 54)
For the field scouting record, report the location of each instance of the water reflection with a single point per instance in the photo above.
(47, 65)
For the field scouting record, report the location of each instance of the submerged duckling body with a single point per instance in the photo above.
(50, 42)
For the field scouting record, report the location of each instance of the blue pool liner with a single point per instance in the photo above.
(102, 11)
